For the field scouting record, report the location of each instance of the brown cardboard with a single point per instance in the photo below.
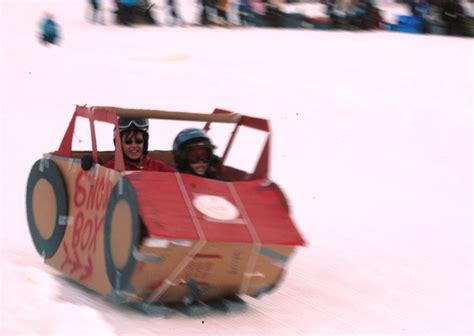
(44, 208)
(81, 253)
(220, 270)
(168, 267)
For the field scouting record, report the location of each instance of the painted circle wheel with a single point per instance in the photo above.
(46, 207)
(121, 234)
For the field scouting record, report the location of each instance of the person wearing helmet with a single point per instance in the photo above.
(194, 153)
(134, 140)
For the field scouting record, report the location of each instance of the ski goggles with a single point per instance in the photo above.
(199, 154)
(140, 123)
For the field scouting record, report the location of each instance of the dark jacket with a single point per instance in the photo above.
(452, 11)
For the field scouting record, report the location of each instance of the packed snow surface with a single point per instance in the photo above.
(372, 143)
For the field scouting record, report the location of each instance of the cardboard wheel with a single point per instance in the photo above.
(46, 207)
(121, 234)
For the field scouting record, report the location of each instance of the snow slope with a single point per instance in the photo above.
(372, 144)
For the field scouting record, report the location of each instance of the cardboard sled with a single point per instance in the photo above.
(159, 237)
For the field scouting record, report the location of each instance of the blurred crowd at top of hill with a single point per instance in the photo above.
(450, 17)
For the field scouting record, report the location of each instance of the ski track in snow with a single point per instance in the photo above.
(372, 144)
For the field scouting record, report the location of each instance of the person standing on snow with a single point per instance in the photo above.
(258, 12)
(97, 15)
(194, 153)
(452, 13)
(125, 9)
(49, 29)
(222, 9)
(134, 140)
(421, 9)
(206, 6)
(245, 13)
(174, 13)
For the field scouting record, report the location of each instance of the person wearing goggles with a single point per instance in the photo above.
(194, 153)
(134, 140)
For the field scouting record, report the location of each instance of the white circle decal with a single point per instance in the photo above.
(216, 207)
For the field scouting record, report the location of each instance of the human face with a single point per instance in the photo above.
(132, 145)
(199, 158)
(199, 168)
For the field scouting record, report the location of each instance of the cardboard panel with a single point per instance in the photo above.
(218, 213)
(168, 203)
(81, 253)
(217, 270)
(267, 210)
(156, 261)
(162, 207)
(269, 268)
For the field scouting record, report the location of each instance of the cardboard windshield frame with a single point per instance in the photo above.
(261, 169)
(65, 149)
(109, 114)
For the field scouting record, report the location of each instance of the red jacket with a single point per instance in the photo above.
(146, 163)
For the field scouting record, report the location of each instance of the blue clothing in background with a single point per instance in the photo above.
(244, 6)
(128, 3)
(49, 27)
(49, 31)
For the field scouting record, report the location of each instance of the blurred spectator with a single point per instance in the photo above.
(49, 29)
(469, 20)
(245, 13)
(174, 14)
(339, 15)
(357, 15)
(97, 13)
(436, 23)
(421, 9)
(131, 12)
(469, 8)
(273, 14)
(205, 8)
(125, 11)
(222, 9)
(143, 12)
(453, 15)
(330, 7)
(375, 17)
(258, 12)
